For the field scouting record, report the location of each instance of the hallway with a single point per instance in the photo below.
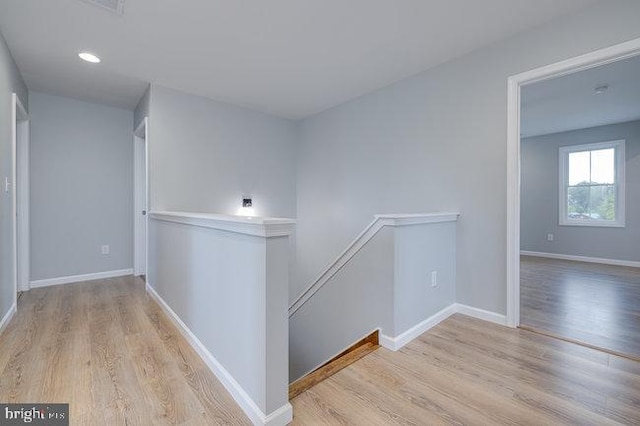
(107, 349)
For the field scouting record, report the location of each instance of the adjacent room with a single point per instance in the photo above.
(580, 207)
(355, 212)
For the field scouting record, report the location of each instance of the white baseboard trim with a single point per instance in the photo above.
(280, 417)
(587, 259)
(395, 343)
(481, 314)
(78, 278)
(7, 317)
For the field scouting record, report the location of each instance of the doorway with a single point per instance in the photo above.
(20, 195)
(579, 227)
(515, 83)
(141, 197)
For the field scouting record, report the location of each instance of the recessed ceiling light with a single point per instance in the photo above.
(89, 57)
(600, 89)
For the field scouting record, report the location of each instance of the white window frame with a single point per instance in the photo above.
(619, 146)
(619, 221)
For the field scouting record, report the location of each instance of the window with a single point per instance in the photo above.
(592, 184)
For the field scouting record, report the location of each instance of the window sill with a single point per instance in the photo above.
(592, 224)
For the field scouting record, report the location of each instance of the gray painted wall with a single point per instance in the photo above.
(386, 286)
(230, 289)
(420, 250)
(539, 200)
(435, 142)
(142, 109)
(81, 187)
(348, 307)
(205, 155)
(10, 82)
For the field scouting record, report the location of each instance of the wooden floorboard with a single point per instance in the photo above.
(350, 355)
(595, 304)
(470, 372)
(106, 348)
(109, 350)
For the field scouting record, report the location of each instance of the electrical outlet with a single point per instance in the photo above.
(434, 278)
(549, 237)
(105, 249)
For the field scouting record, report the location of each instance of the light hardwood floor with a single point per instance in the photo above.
(108, 349)
(598, 305)
(469, 372)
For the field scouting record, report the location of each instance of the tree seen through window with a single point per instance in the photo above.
(591, 194)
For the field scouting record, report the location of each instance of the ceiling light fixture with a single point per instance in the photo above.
(89, 57)
(600, 89)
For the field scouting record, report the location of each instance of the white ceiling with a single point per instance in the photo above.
(291, 58)
(570, 102)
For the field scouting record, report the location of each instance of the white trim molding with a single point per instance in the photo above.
(18, 114)
(279, 417)
(583, 62)
(79, 278)
(258, 226)
(618, 147)
(600, 260)
(481, 314)
(379, 221)
(396, 343)
(8, 317)
(416, 219)
(141, 197)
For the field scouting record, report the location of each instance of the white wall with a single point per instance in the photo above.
(435, 142)
(10, 82)
(539, 199)
(205, 155)
(81, 187)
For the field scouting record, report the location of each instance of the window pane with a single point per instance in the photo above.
(602, 202)
(595, 202)
(590, 194)
(603, 166)
(579, 168)
(578, 202)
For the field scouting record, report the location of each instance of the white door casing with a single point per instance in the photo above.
(19, 187)
(141, 197)
(590, 60)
